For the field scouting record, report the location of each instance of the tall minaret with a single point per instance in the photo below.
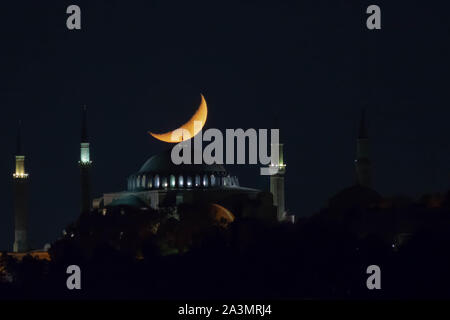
(362, 161)
(277, 183)
(85, 165)
(20, 199)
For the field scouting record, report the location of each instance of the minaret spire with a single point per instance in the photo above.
(362, 161)
(20, 191)
(84, 135)
(19, 139)
(362, 126)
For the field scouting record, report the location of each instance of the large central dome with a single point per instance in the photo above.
(162, 164)
(159, 172)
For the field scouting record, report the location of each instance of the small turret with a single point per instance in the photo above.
(85, 164)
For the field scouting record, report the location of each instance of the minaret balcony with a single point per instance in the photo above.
(20, 175)
(85, 163)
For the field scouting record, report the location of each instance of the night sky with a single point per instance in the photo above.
(141, 65)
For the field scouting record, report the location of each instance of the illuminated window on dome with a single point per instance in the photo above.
(156, 181)
(164, 182)
(189, 181)
(143, 181)
(197, 180)
(213, 180)
(172, 181)
(205, 180)
(150, 182)
(180, 181)
(138, 181)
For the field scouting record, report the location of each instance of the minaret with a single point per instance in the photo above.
(20, 190)
(362, 161)
(277, 183)
(85, 165)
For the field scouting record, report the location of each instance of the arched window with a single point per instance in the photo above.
(197, 180)
(189, 181)
(205, 180)
(149, 182)
(172, 181)
(213, 180)
(164, 182)
(180, 181)
(156, 181)
(143, 181)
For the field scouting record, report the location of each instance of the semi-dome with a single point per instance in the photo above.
(159, 172)
(356, 196)
(130, 201)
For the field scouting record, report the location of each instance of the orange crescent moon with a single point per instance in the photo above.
(187, 130)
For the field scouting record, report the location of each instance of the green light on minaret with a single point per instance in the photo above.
(84, 154)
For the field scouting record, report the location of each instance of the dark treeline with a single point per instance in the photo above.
(153, 255)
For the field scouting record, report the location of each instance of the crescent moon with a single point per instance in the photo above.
(187, 130)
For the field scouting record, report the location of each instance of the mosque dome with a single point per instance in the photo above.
(162, 163)
(159, 172)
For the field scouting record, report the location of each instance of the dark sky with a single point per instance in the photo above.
(141, 65)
